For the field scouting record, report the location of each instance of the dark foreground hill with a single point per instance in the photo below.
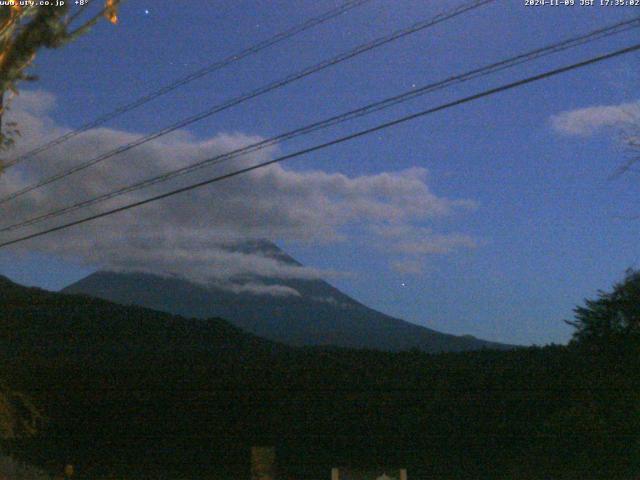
(132, 393)
(77, 326)
(319, 315)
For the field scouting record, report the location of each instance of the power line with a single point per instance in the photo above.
(366, 110)
(337, 141)
(258, 47)
(416, 27)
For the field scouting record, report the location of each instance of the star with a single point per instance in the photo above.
(146, 12)
(403, 284)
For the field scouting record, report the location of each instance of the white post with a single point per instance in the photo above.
(403, 474)
(335, 474)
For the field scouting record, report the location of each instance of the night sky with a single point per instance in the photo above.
(523, 219)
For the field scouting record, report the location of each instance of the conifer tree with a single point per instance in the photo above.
(612, 317)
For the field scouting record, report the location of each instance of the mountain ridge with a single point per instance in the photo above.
(33, 319)
(321, 315)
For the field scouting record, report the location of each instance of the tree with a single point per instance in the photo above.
(630, 138)
(25, 29)
(612, 317)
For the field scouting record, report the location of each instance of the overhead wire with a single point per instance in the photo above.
(366, 47)
(361, 133)
(218, 65)
(511, 62)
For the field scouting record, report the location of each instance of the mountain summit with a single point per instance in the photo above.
(320, 315)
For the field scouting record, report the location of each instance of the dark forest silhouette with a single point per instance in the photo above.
(132, 392)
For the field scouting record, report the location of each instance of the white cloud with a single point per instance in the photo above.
(190, 234)
(261, 289)
(414, 243)
(590, 120)
(407, 266)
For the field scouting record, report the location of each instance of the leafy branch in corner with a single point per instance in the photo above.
(24, 30)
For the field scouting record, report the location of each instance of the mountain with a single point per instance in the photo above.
(320, 315)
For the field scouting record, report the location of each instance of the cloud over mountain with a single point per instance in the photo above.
(190, 234)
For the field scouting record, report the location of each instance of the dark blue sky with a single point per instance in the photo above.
(549, 226)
